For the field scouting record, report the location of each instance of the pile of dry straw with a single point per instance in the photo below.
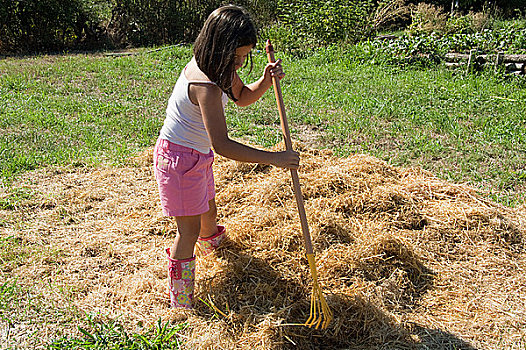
(405, 259)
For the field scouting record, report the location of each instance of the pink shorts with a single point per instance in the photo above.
(185, 179)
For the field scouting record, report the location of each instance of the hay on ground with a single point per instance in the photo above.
(405, 259)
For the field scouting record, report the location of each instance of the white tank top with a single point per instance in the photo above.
(184, 124)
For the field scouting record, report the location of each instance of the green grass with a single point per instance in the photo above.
(15, 198)
(92, 109)
(112, 335)
(19, 306)
(81, 109)
(23, 307)
(8, 300)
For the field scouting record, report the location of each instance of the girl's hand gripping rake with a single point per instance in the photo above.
(320, 313)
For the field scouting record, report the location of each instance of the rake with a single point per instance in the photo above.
(320, 313)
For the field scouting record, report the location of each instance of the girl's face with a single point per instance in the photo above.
(241, 55)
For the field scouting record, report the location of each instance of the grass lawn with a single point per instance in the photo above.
(90, 109)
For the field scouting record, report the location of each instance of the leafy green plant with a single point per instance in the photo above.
(427, 49)
(459, 24)
(420, 50)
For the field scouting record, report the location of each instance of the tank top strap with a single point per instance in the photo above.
(224, 96)
(188, 81)
(200, 82)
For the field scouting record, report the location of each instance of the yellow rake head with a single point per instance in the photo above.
(320, 313)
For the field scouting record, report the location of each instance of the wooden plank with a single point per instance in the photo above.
(386, 37)
(514, 66)
(514, 58)
(456, 57)
(455, 64)
(506, 58)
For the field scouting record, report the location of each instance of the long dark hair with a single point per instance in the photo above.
(226, 29)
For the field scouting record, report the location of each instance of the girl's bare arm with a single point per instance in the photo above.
(248, 94)
(209, 100)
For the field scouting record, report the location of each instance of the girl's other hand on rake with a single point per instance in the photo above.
(274, 70)
(289, 159)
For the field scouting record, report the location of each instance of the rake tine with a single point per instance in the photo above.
(320, 313)
(313, 311)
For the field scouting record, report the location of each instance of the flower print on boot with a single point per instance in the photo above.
(207, 245)
(181, 279)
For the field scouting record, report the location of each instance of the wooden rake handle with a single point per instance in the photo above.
(288, 144)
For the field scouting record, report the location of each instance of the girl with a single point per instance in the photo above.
(195, 122)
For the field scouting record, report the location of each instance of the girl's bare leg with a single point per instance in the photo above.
(188, 228)
(209, 221)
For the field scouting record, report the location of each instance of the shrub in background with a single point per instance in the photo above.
(159, 22)
(307, 25)
(507, 7)
(294, 25)
(35, 25)
(52, 25)
(427, 18)
(311, 24)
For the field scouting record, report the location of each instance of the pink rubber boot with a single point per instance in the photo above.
(181, 279)
(209, 244)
